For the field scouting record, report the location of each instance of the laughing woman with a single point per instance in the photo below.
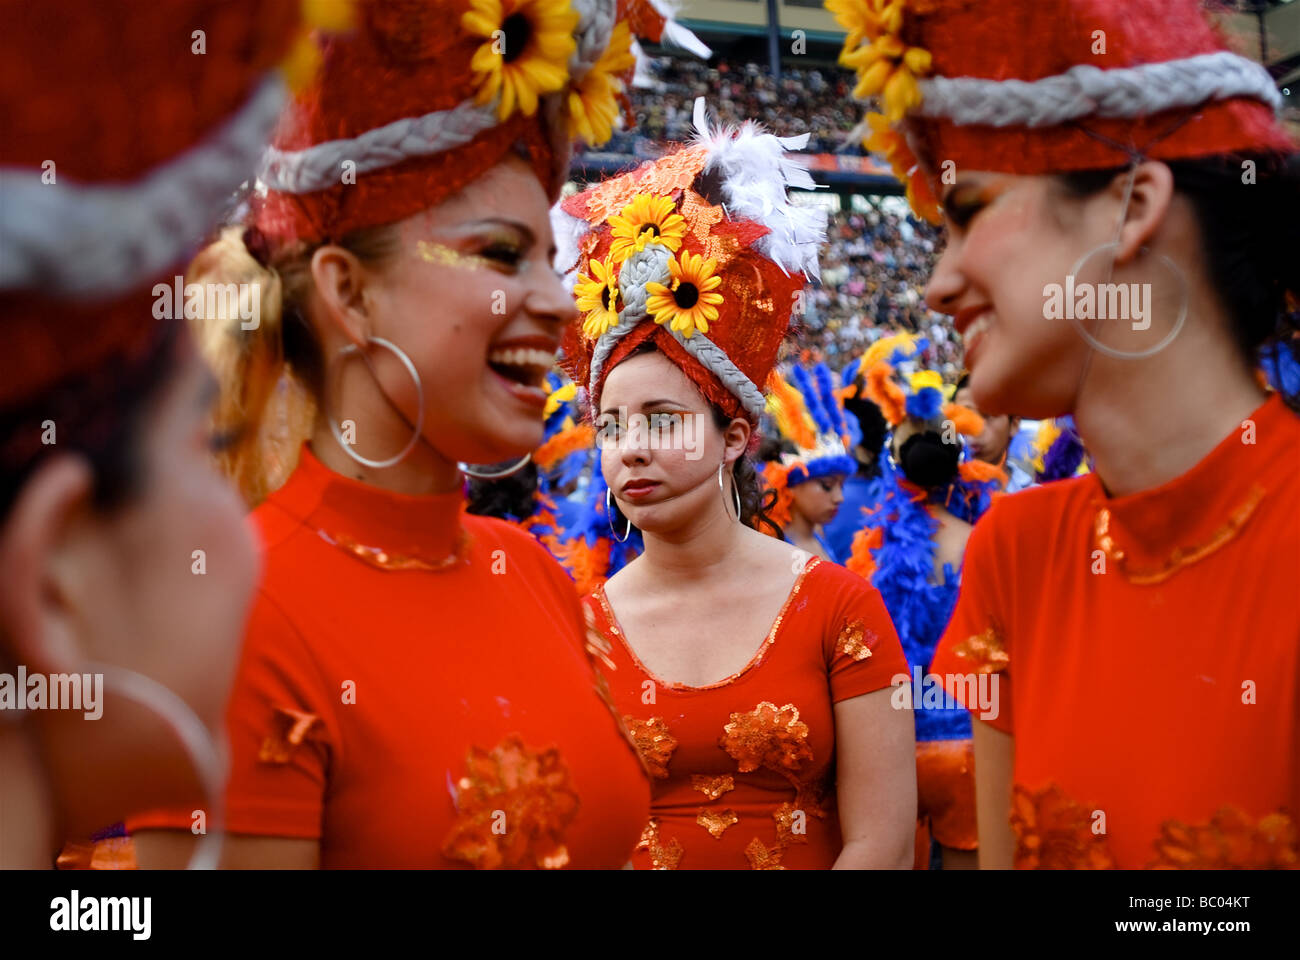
(415, 690)
(108, 498)
(1140, 620)
(753, 677)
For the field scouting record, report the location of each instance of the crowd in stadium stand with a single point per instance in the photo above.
(802, 101)
(874, 269)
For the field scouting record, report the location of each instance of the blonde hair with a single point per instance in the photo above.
(270, 374)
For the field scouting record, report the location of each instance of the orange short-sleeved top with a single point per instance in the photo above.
(744, 768)
(418, 717)
(1146, 655)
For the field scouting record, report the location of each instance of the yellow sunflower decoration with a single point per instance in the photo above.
(593, 101)
(691, 301)
(647, 219)
(597, 295)
(873, 48)
(892, 145)
(526, 51)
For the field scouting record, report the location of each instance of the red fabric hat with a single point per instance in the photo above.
(426, 95)
(700, 251)
(1043, 86)
(127, 127)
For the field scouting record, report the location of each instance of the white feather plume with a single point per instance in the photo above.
(756, 171)
(568, 231)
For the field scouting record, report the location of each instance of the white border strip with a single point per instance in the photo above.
(91, 240)
(1087, 91)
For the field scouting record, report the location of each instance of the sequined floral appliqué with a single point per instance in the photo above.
(986, 651)
(1054, 832)
(855, 640)
(291, 729)
(713, 787)
(767, 736)
(512, 806)
(663, 856)
(653, 742)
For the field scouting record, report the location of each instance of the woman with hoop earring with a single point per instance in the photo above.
(754, 678)
(415, 689)
(1127, 641)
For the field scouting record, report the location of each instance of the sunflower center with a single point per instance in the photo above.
(610, 298)
(650, 228)
(686, 295)
(518, 31)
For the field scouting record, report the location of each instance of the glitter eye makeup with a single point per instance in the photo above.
(965, 200)
(444, 256)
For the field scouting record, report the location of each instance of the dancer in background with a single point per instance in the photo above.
(753, 677)
(1100, 606)
(808, 477)
(408, 664)
(124, 564)
(910, 549)
(1002, 442)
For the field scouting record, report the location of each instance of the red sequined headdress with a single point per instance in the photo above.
(701, 251)
(426, 95)
(127, 128)
(1048, 86)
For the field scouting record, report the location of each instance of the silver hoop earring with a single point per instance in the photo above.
(352, 348)
(609, 515)
(469, 471)
(195, 740)
(1125, 354)
(735, 491)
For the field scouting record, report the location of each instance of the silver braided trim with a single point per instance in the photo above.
(321, 165)
(1087, 91)
(648, 265)
(596, 19)
(87, 240)
(716, 361)
(711, 356)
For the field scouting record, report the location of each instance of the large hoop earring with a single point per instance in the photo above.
(469, 471)
(609, 515)
(1125, 354)
(735, 491)
(352, 348)
(194, 738)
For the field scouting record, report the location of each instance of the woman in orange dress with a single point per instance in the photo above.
(414, 689)
(753, 677)
(1127, 640)
(115, 656)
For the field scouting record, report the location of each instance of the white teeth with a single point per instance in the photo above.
(523, 357)
(975, 330)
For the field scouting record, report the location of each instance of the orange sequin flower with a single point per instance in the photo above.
(1231, 840)
(1055, 833)
(986, 651)
(717, 821)
(513, 807)
(713, 787)
(292, 727)
(768, 736)
(853, 642)
(654, 742)
(663, 856)
(762, 857)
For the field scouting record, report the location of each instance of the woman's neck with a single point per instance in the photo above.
(698, 551)
(26, 829)
(1148, 422)
(424, 471)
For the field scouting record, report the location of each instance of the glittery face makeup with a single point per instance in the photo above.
(492, 244)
